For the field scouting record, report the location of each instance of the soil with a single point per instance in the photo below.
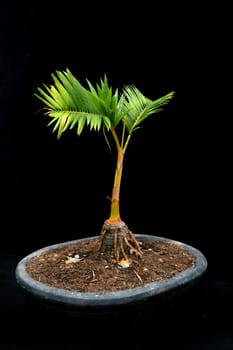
(81, 267)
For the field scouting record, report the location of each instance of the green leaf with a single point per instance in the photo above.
(70, 105)
(137, 107)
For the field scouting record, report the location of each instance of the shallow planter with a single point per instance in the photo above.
(110, 302)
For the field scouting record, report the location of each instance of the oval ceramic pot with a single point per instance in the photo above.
(105, 303)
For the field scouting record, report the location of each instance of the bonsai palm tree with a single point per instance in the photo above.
(70, 105)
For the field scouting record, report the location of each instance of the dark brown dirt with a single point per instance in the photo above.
(92, 272)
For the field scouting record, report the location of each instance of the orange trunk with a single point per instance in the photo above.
(115, 199)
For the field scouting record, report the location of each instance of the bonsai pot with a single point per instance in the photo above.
(101, 304)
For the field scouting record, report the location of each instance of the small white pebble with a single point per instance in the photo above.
(124, 266)
(74, 258)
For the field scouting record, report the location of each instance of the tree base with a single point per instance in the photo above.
(117, 241)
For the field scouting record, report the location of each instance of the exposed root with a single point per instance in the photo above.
(138, 276)
(133, 250)
(117, 241)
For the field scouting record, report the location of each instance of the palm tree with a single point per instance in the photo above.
(72, 106)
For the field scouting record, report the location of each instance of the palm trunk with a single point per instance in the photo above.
(115, 199)
(116, 240)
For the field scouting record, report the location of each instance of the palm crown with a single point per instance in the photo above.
(70, 105)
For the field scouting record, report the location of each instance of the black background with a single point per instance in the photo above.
(177, 179)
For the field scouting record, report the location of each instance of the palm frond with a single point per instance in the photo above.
(70, 104)
(106, 100)
(63, 120)
(137, 107)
